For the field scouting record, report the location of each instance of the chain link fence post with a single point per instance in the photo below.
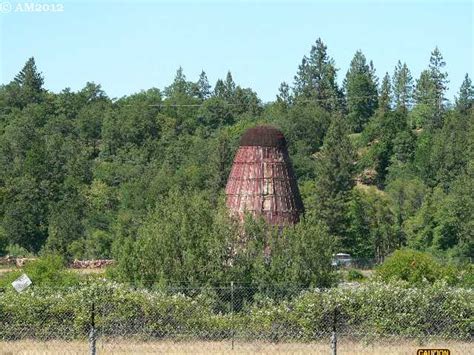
(334, 333)
(92, 332)
(232, 312)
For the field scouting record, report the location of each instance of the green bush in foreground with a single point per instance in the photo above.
(48, 271)
(373, 309)
(416, 268)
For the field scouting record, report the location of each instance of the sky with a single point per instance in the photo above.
(128, 46)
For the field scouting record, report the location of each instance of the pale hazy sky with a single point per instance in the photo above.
(132, 45)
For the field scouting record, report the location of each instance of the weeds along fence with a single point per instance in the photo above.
(105, 317)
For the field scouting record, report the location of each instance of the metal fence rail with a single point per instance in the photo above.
(111, 318)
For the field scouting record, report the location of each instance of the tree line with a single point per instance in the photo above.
(381, 163)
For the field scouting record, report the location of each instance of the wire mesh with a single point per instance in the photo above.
(113, 319)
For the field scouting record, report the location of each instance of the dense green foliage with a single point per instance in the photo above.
(140, 178)
(419, 268)
(47, 271)
(354, 275)
(374, 309)
(186, 241)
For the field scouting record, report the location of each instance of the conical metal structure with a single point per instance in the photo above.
(262, 181)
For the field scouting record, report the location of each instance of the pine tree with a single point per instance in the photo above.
(385, 98)
(30, 77)
(203, 87)
(302, 85)
(230, 86)
(316, 79)
(334, 181)
(219, 89)
(465, 101)
(227, 89)
(27, 86)
(402, 87)
(179, 86)
(361, 91)
(284, 98)
(425, 89)
(440, 79)
(424, 114)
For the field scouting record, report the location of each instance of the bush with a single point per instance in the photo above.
(354, 275)
(45, 271)
(415, 267)
(17, 251)
(3, 241)
(377, 309)
(465, 276)
(185, 240)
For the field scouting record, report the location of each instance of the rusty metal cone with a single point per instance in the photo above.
(262, 181)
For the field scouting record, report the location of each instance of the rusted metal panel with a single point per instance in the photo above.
(262, 181)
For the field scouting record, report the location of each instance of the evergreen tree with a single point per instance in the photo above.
(385, 98)
(284, 98)
(229, 86)
(425, 89)
(465, 100)
(402, 87)
(203, 87)
(220, 89)
(361, 91)
(179, 87)
(334, 168)
(316, 78)
(27, 86)
(29, 77)
(440, 82)
(425, 97)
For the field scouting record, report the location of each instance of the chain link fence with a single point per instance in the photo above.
(111, 318)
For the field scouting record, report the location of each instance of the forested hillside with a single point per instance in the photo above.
(383, 161)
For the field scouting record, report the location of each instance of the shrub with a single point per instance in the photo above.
(414, 267)
(354, 275)
(465, 276)
(17, 251)
(374, 309)
(3, 241)
(48, 271)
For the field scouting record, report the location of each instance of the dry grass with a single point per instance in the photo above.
(224, 347)
(88, 271)
(5, 270)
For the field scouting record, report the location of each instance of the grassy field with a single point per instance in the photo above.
(202, 347)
